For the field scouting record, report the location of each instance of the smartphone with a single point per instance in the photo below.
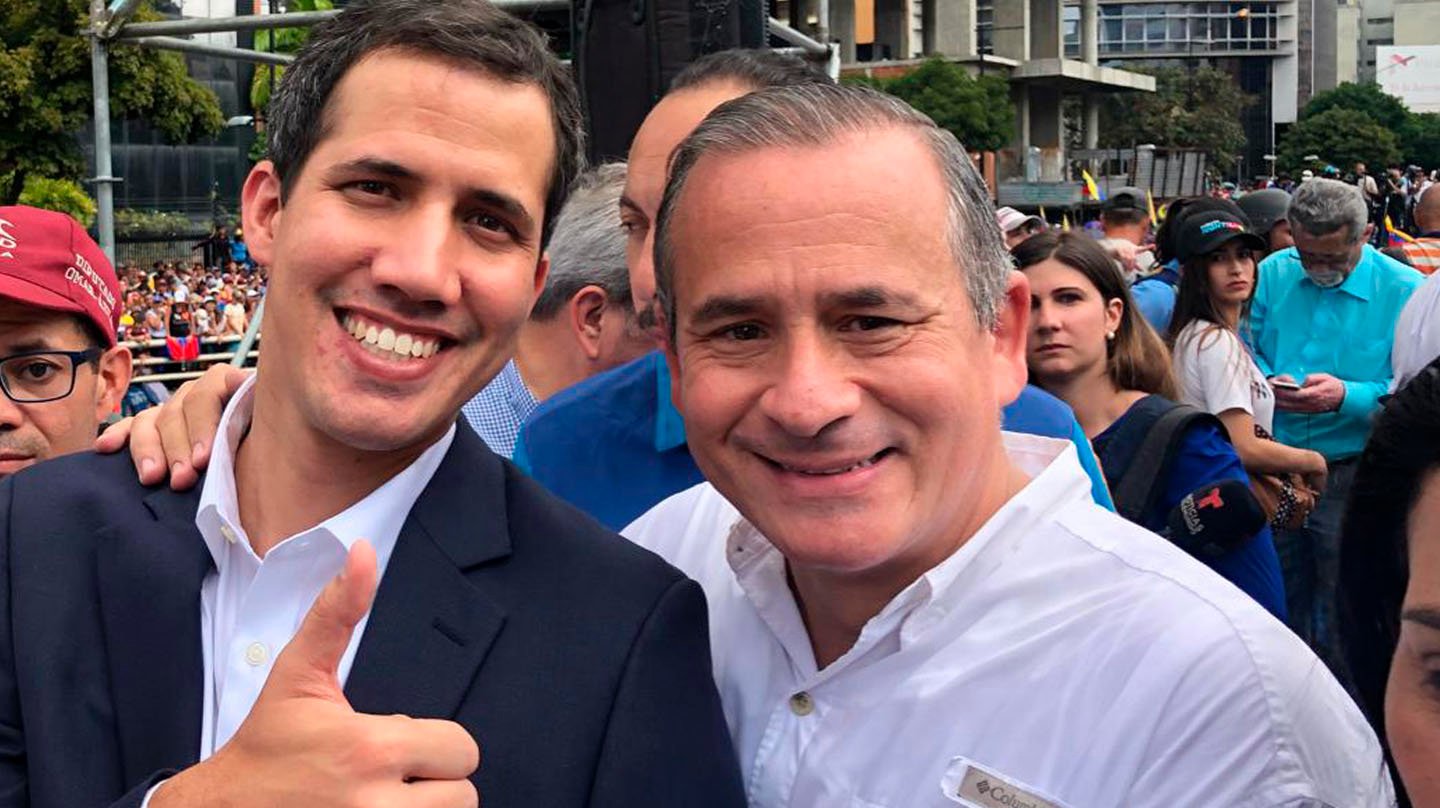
(1284, 384)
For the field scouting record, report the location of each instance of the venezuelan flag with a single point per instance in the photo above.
(1397, 236)
(1091, 190)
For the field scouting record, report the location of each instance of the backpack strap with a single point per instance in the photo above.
(1137, 456)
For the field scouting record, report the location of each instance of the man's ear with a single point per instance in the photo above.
(586, 314)
(260, 210)
(112, 380)
(1012, 330)
(542, 271)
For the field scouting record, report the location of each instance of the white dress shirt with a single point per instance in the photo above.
(250, 607)
(1417, 332)
(1061, 657)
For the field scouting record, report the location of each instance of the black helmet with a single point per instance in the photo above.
(1265, 208)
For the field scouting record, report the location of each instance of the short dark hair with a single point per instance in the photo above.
(753, 68)
(94, 337)
(1121, 217)
(472, 34)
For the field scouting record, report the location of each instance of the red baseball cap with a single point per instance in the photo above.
(48, 260)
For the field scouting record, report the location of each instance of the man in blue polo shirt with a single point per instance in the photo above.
(614, 445)
(1322, 326)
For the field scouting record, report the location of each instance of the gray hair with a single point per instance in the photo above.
(749, 68)
(588, 247)
(471, 34)
(1321, 206)
(816, 115)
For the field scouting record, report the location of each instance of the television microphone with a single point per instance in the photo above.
(1214, 519)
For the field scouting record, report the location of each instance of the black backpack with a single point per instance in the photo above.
(1136, 455)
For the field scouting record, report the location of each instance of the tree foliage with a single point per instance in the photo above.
(1340, 137)
(46, 95)
(59, 195)
(1198, 109)
(1420, 139)
(977, 111)
(1386, 110)
(280, 40)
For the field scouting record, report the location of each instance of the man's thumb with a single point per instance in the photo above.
(312, 657)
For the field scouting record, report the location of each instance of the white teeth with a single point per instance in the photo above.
(831, 472)
(386, 342)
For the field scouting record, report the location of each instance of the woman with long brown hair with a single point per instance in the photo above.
(1088, 346)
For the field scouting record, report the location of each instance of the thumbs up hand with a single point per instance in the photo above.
(302, 743)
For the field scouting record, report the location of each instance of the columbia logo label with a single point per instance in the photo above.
(988, 790)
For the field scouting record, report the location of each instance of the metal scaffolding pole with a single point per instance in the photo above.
(293, 19)
(104, 182)
(191, 46)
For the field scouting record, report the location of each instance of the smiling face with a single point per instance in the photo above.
(1069, 324)
(835, 385)
(406, 253)
(1231, 272)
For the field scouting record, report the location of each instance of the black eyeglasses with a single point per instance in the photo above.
(35, 377)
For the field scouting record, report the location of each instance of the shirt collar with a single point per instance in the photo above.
(669, 425)
(1057, 481)
(378, 517)
(516, 390)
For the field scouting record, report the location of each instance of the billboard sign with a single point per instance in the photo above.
(1411, 72)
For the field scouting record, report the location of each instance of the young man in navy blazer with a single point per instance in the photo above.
(229, 645)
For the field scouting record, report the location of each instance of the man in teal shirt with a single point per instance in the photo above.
(1321, 326)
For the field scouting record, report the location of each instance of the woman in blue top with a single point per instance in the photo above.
(1089, 347)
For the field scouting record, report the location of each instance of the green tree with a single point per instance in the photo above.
(1340, 137)
(59, 195)
(1420, 139)
(1381, 108)
(977, 111)
(46, 93)
(267, 77)
(1196, 109)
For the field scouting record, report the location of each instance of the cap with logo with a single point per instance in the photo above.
(1127, 198)
(1206, 232)
(48, 261)
(1009, 218)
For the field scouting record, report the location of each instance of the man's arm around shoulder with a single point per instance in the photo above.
(667, 743)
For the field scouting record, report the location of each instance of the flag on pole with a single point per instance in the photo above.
(1150, 203)
(1065, 222)
(1043, 217)
(1091, 190)
(1397, 236)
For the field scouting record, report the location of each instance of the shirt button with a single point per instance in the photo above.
(801, 704)
(227, 533)
(256, 653)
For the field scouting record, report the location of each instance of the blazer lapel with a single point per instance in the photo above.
(149, 584)
(430, 627)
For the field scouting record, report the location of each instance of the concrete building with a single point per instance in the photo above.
(1023, 40)
(1405, 23)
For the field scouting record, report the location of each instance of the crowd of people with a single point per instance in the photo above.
(926, 503)
(176, 298)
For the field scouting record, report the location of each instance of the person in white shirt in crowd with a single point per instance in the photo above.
(908, 607)
(1214, 370)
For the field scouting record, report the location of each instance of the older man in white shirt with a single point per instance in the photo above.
(908, 608)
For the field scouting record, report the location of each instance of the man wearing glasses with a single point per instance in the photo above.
(1322, 326)
(60, 369)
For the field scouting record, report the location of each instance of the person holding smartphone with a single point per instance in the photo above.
(1214, 370)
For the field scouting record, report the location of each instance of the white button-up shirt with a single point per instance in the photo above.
(1061, 657)
(250, 607)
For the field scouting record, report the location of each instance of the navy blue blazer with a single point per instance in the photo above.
(580, 662)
